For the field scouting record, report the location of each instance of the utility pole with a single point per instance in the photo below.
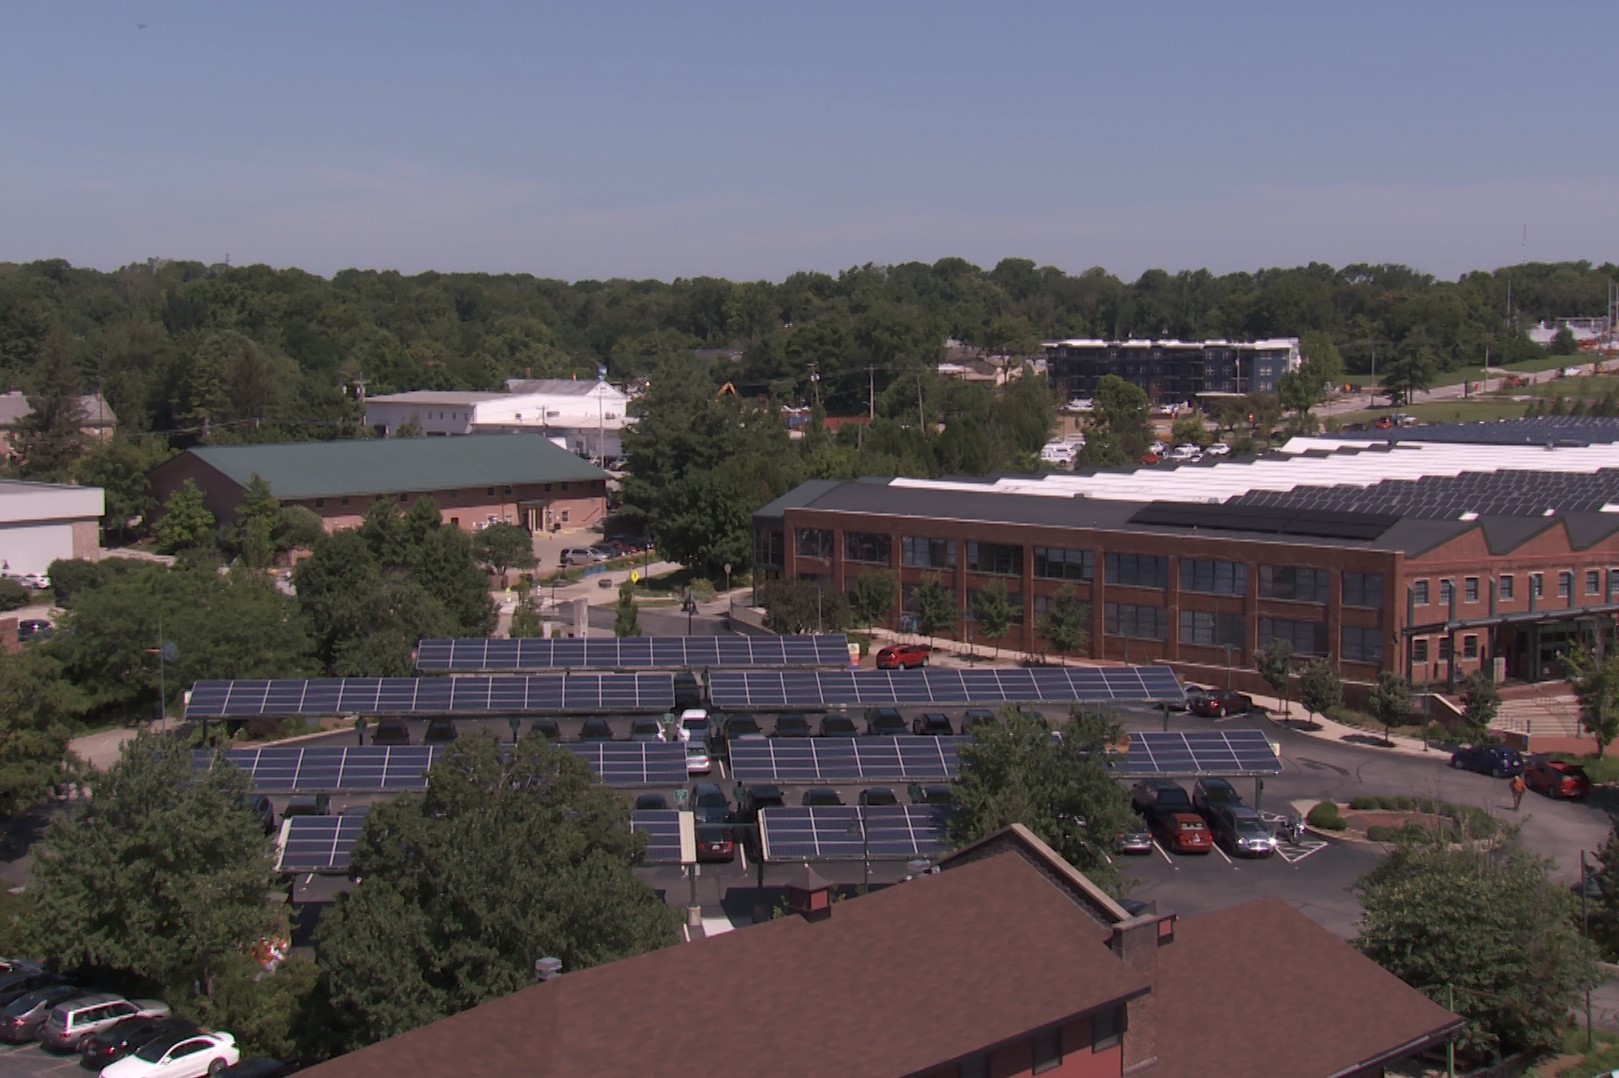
(921, 411)
(871, 392)
(815, 384)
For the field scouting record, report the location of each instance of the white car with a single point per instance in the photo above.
(1158, 448)
(1185, 452)
(178, 1055)
(694, 725)
(1218, 449)
(1080, 404)
(1572, 372)
(697, 761)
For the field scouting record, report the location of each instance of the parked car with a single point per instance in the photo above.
(605, 551)
(651, 803)
(694, 725)
(32, 629)
(698, 761)
(878, 797)
(709, 803)
(902, 656)
(1209, 794)
(546, 728)
(932, 724)
(1218, 449)
(579, 555)
(646, 730)
(688, 690)
(71, 1021)
(931, 794)
(821, 797)
(714, 843)
(884, 722)
(1186, 452)
(595, 730)
(123, 1037)
(1500, 761)
(21, 981)
(838, 724)
(390, 732)
(1557, 778)
(440, 731)
(1218, 703)
(21, 1018)
(1159, 793)
(738, 728)
(1135, 838)
(178, 1055)
(976, 717)
(757, 798)
(1181, 832)
(792, 725)
(1242, 831)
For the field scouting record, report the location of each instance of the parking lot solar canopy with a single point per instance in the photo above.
(318, 843)
(547, 693)
(1228, 753)
(846, 759)
(877, 833)
(631, 653)
(662, 830)
(634, 763)
(762, 689)
(401, 768)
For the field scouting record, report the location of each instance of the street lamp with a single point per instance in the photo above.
(727, 580)
(858, 826)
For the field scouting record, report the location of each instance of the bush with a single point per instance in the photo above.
(1366, 804)
(1327, 816)
(1381, 833)
(13, 595)
(73, 576)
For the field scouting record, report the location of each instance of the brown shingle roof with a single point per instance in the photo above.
(1232, 975)
(893, 982)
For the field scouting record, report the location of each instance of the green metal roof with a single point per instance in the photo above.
(299, 470)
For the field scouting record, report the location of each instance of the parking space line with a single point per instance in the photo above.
(1164, 854)
(1222, 854)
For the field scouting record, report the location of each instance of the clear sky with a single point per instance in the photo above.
(752, 139)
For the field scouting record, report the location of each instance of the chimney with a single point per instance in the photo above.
(1135, 942)
(809, 896)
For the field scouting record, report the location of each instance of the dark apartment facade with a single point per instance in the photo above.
(1170, 371)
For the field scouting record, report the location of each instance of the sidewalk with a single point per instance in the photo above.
(1299, 720)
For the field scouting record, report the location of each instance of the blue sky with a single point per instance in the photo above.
(751, 140)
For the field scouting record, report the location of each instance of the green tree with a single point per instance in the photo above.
(704, 521)
(872, 598)
(383, 530)
(194, 867)
(502, 547)
(1603, 900)
(935, 608)
(526, 622)
(38, 707)
(1322, 369)
(121, 467)
(299, 528)
(1564, 342)
(1594, 677)
(1274, 662)
(1118, 432)
(1066, 624)
(802, 606)
(186, 523)
(73, 576)
(339, 588)
(1062, 789)
(1412, 367)
(1320, 689)
(1189, 430)
(507, 857)
(1390, 701)
(1486, 923)
(258, 515)
(626, 619)
(1481, 702)
(49, 438)
(994, 610)
(445, 568)
(13, 596)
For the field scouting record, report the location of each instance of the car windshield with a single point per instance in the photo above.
(838, 725)
(1250, 826)
(152, 1051)
(881, 797)
(1173, 795)
(22, 1005)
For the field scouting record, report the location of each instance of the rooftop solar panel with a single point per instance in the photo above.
(1228, 753)
(765, 690)
(432, 696)
(330, 769)
(846, 759)
(318, 843)
(631, 653)
(885, 833)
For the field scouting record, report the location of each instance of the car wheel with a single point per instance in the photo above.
(1220, 712)
(1455, 762)
(216, 1066)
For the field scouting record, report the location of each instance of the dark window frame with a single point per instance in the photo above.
(1295, 583)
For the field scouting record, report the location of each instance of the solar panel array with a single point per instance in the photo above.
(402, 768)
(846, 759)
(632, 653)
(1498, 493)
(1268, 518)
(662, 830)
(319, 843)
(879, 833)
(1230, 753)
(1557, 430)
(432, 696)
(759, 689)
(634, 763)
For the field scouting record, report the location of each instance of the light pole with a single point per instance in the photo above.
(727, 580)
(691, 608)
(1229, 648)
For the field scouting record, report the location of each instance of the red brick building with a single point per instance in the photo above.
(1008, 961)
(476, 480)
(1470, 556)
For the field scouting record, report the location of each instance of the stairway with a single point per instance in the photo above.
(1549, 711)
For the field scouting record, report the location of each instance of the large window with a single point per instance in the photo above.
(1140, 622)
(1214, 577)
(1307, 637)
(997, 558)
(872, 548)
(1062, 563)
(1208, 629)
(1364, 590)
(1470, 589)
(1593, 582)
(1565, 585)
(1293, 582)
(1419, 592)
(1047, 1050)
(1138, 570)
(767, 548)
(1504, 586)
(813, 543)
(1362, 645)
(928, 553)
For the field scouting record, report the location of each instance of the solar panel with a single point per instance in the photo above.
(878, 833)
(764, 690)
(318, 843)
(1230, 753)
(846, 759)
(634, 763)
(432, 696)
(631, 653)
(662, 830)
(329, 769)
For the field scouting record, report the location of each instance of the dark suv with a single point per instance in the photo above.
(933, 724)
(1150, 795)
(884, 722)
(1501, 761)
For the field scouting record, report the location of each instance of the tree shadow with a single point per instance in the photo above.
(1368, 739)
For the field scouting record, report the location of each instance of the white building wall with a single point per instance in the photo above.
(37, 522)
(430, 417)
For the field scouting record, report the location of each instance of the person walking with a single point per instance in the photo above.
(1518, 787)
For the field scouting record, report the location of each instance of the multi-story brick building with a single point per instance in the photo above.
(1171, 371)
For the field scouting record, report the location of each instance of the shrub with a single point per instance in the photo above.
(1364, 804)
(1400, 804)
(1327, 816)
(1380, 833)
(13, 595)
(73, 576)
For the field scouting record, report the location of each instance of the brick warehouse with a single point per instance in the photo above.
(1452, 549)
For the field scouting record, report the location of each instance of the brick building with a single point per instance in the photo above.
(1008, 961)
(477, 480)
(1432, 556)
(1170, 371)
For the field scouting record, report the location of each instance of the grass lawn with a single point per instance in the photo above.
(1456, 411)
(1586, 387)
(1477, 374)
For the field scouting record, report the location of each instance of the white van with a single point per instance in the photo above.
(1059, 453)
(579, 555)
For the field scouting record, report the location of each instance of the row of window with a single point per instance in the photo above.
(1419, 648)
(449, 495)
(1506, 587)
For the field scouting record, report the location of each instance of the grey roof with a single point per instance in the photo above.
(1543, 430)
(802, 495)
(1502, 534)
(1585, 530)
(396, 465)
(97, 412)
(434, 396)
(556, 387)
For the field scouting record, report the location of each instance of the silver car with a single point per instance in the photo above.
(1242, 831)
(71, 1022)
(1135, 838)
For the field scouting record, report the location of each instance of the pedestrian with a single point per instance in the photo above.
(1518, 788)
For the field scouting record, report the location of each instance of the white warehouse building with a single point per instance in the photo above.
(586, 418)
(41, 522)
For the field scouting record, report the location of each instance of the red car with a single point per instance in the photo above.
(1217, 705)
(902, 656)
(1557, 778)
(1182, 832)
(714, 843)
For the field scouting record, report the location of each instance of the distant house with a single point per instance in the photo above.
(41, 522)
(99, 420)
(476, 481)
(986, 370)
(585, 417)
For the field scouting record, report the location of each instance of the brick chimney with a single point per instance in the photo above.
(1135, 942)
(809, 896)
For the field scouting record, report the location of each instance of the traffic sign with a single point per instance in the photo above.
(635, 576)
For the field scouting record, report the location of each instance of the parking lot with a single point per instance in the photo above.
(26, 1060)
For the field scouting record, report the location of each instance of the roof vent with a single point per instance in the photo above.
(809, 896)
(546, 969)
